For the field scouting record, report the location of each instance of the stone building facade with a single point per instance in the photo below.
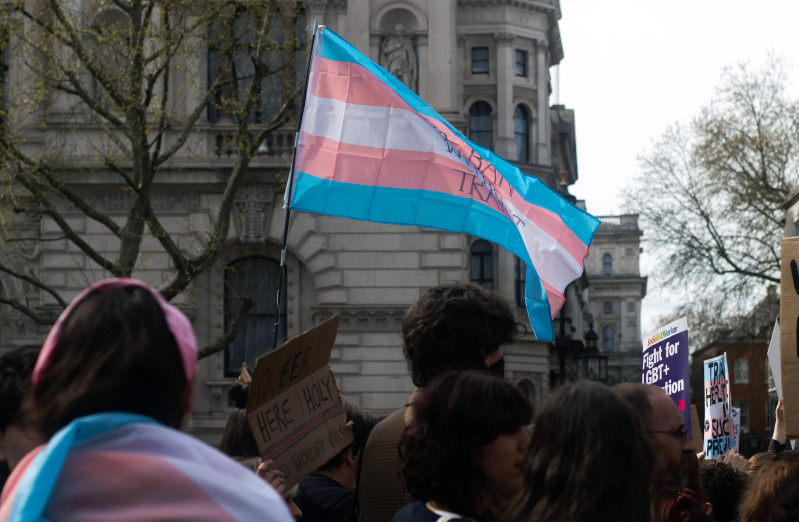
(482, 64)
(617, 289)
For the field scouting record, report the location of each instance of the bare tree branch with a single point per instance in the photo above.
(231, 333)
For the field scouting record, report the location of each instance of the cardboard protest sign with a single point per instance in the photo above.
(294, 407)
(736, 427)
(789, 340)
(665, 364)
(696, 429)
(718, 414)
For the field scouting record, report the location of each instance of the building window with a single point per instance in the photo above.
(255, 278)
(741, 371)
(238, 37)
(521, 279)
(481, 127)
(607, 339)
(521, 124)
(521, 63)
(479, 60)
(482, 264)
(607, 307)
(744, 406)
(607, 264)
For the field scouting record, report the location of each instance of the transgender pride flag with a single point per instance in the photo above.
(371, 149)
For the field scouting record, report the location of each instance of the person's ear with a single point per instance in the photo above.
(351, 458)
(708, 509)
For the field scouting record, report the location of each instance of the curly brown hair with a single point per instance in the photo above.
(453, 327)
(455, 416)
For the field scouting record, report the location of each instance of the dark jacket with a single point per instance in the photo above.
(322, 499)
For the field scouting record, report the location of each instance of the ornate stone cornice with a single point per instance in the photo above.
(253, 211)
(504, 37)
(539, 6)
(369, 319)
(120, 200)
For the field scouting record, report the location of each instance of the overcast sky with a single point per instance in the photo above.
(631, 68)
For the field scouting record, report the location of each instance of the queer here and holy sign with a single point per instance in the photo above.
(718, 409)
(665, 364)
(294, 406)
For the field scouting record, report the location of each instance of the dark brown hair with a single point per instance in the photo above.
(588, 460)
(773, 494)
(238, 440)
(724, 486)
(115, 353)
(455, 416)
(361, 419)
(453, 327)
(16, 368)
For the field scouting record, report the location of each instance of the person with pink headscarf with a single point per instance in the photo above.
(112, 388)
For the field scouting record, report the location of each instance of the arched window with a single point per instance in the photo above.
(607, 339)
(521, 124)
(607, 264)
(481, 127)
(482, 264)
(521, 279)
(253, 278)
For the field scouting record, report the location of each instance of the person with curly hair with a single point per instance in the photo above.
(467, 442)
(724, 487)
(589, 460)
(452, 327)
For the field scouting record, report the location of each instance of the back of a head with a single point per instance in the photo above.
(724, 487)
(758, 461)
(361, 419)
(773, 494)
(115, 354)
(16, 367)
(238, 439)
(588, 460)
(453, 327)
(681, 506)
(455, 416)
(637, 395)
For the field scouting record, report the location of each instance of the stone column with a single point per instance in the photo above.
(423, 50)
(442, 44)
(543, 147)
(341, 14)
(504, 143)
(316, 10)
(358, 24)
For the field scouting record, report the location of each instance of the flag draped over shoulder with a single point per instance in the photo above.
(121, 466)
(371, 149)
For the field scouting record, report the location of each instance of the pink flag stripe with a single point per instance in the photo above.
(309, 426)
(364, 165)
(556, 299)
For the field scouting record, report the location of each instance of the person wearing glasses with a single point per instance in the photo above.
(667, 435)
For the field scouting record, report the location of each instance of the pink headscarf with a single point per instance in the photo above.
(178, 324)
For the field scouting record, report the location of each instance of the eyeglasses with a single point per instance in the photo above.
(680, 433)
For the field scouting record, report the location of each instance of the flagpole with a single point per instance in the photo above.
(290, 187)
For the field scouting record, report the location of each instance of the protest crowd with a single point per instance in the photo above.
(90, 429)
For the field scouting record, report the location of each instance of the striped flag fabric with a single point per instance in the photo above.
(127, 467)
(371, 149)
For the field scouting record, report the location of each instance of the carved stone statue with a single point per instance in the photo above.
(398, 57)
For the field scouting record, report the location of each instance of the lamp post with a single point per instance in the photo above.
(592, 364)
